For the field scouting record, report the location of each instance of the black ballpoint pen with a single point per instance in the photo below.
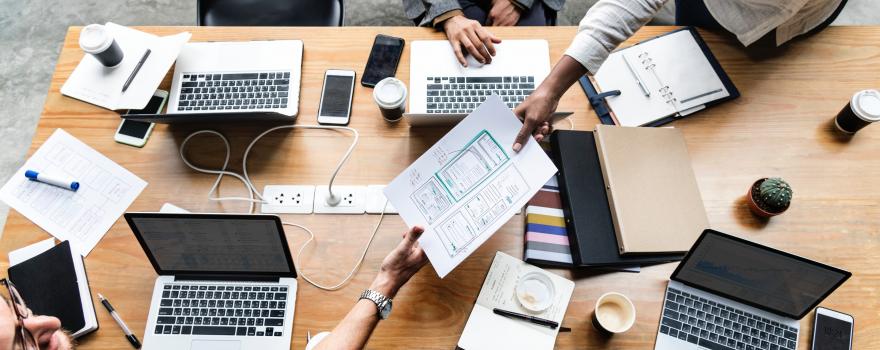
(137, 69)
(532, 319)
(128, 334)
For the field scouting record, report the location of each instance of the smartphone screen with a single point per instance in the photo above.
(138, 129)
(336, 98)
(383, 61)
(831, 333)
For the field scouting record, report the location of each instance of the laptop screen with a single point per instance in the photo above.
(213, 244)
(757, 275)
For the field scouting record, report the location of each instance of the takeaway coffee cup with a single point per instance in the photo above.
(390, 96)
(862, 109)
(614, 313)
(97, 41)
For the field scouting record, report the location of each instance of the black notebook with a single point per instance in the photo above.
(588, 218)
(50, 285)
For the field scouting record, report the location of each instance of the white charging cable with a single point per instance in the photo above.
(252, 191)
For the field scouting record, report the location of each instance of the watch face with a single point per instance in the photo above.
(385, 310)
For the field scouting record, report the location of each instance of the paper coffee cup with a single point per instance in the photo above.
(614, 313)
(862, 110)
(96, 40)
(390, 96)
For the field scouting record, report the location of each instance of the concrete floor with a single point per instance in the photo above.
(34, 30)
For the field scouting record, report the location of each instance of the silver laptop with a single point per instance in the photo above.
(248, 78)
(729, 293)
(225, 282)
(444, 92)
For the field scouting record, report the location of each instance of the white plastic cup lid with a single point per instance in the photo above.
(389, 93)
(866, 105)
(535, 291)
(94, 38)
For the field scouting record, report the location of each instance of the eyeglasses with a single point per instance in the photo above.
(23, 337)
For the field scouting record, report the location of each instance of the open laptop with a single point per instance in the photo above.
(729, 293)
(225, 281)
(234, 81)
(442, 92)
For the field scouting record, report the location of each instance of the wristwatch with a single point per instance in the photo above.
(383, 303)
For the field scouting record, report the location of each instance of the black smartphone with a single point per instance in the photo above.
(832, 330)
(384, 57)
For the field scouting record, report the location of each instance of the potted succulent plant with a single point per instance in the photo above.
(769, 197)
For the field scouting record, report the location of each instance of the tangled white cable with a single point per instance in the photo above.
(252, 191)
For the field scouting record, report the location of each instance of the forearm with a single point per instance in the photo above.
(607, 24)
(565, 73)
(355, 329)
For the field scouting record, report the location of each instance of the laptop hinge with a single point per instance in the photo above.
(229, 278)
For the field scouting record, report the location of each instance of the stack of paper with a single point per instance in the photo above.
(93, 83)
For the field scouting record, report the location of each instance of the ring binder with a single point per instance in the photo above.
(686, 78)
(665, 91)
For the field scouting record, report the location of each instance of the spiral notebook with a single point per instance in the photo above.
(661, 79)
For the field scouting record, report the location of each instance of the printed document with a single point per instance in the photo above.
(81, 217)
(466, 186)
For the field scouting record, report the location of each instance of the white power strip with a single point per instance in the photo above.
(376, 201)
(308, 199)
(280, 199)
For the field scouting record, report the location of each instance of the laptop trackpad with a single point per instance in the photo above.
(215, 345)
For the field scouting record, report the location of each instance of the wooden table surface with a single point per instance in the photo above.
(781, 126)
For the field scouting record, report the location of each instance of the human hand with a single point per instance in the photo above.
(535, 112)
(503, 14)
(401, 263)
(476, 39)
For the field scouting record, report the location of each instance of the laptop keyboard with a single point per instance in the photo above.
(219, 309)
(717, 326)
(233, 91)
(448, 95)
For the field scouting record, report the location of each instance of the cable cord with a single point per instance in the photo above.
(252, 191)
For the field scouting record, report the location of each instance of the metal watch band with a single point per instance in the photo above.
(378, 299)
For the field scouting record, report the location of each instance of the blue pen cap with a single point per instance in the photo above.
(74, 185)
(30, 174)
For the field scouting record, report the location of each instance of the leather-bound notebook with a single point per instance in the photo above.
(652, 191)
(588, 219)
(52, 284)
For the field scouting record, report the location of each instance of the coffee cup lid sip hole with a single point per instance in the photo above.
(94, 38)
(866, 105)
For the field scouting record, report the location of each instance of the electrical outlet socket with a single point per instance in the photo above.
(376, 201)
(353, 200)
(284, 199)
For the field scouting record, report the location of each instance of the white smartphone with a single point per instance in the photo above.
(336, 97)
(135, 133)
(832, 330)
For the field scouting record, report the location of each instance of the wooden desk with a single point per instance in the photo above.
(779, 127)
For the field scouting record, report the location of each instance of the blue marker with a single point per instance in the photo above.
(62, 182)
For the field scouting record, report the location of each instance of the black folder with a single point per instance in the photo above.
(48, 284)
(585, 204)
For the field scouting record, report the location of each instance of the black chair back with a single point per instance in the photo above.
(282, 13)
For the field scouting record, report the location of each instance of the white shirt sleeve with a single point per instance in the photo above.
(607, 24)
